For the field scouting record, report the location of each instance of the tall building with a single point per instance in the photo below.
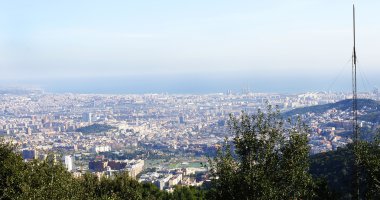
(87, 117)
(29, 154)
(69, 163)
(181, 119)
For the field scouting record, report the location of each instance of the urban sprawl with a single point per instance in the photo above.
(159, 138)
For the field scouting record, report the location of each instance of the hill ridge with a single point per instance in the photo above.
(342, 105)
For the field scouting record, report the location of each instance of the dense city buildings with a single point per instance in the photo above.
(158, 138)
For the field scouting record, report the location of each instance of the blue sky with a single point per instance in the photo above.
(291, 40)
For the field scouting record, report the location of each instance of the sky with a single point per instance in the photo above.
(196, 46)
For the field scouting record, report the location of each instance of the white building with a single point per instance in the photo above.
(69, 163)
(99, 149)
(135, 167)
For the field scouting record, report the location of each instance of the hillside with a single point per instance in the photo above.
(336, 168)
(372, 107)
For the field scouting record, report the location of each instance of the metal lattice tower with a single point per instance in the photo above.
(355, 127)
(354, 84)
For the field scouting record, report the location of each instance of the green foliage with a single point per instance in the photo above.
(322, 190)
(270, 160)
(368, 155)
(11, 171)
(187, 193)
(49, 180)
(34, 180)
(337, 167)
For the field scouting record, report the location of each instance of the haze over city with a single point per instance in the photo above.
(186, 47)
(189, 100)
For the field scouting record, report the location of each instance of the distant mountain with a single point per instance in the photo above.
(372, 107)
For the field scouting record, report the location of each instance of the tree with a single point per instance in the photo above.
(187, 193)
(11, 171)
(267, 159)
(368, 155)
(48, 180)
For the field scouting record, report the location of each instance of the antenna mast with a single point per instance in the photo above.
(355, 127)
(354, 85)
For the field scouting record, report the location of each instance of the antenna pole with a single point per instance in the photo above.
(354, 85)
(355, 127)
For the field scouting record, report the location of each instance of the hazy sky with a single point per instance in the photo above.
(291, 40)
